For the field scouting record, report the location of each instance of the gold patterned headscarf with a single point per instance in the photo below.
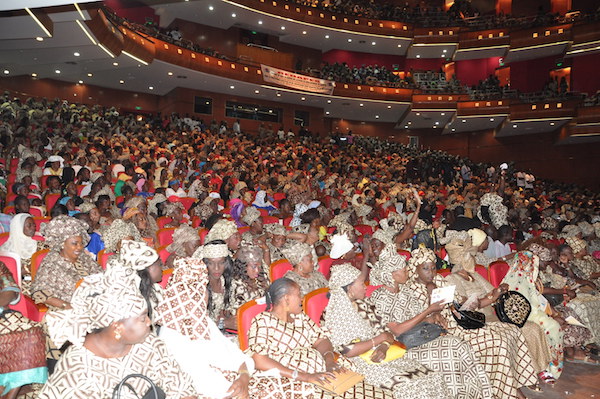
(182, 234)
(184, 304)
(576, 244)
(461, 252)
(251, 215)
(542, 252)
(211, 251)
(386, 236)
(222, 230)
(389, 262)
(137, 255)
(62, 227)
(341, 276)
(296, 251)
(276, 229)
(418, 257)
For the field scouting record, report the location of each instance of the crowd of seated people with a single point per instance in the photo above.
(182, 231)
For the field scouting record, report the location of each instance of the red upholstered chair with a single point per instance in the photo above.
(80, 188)
(364, 229)
(36, 260)
(163, 221)
(444, 272)
(325, 265)
(287, 221)
(245, 315)
(279, 268)
(165, 236)
(243, 229)
(36, 211)
(163, 253)
(513, 246)
(43, 180)
(4, 238)
(196, 222)
(497, 272)
(278, 196)
(404, 253)
(202, 233)
(166, 275)
(314, 303)
(102, 258)
(483, 271)
(10, 197)
(38, 237)
(187, 202)
(50, 201)
(26, 306)
(370, 289)
(9, 209)
(263, 213)
(14, 163)
(38, 222)
(270, 219)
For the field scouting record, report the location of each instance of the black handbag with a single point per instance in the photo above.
(512, 307)
(153, 393)
(467, 319)
(420, 334)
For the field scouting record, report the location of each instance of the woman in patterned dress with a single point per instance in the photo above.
(217, 366)
(500, 347)
(250, 281)
(285, 339)
(300, 255)
(449, 355)
(355, 329)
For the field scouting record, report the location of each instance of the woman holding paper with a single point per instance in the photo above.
(479, 294)
(501, 347)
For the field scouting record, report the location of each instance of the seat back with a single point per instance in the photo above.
(498, 271)
(187, 202)
(483, 271)
(364, 229)
(165, 236)
(404, 253)
(270, 219)
(4, 237)
(444, 272)
(163, 253)
(202, 233)
(370, 289)
(9, 209)
(279, 268)
(245, 315)
(243, 229)
(287, 221)
(166, 275)
(315, 302)
(50, 201)
(325, 265)
(38, 222)
(36, 211)
(103, 258)
(43, 180)
(163, 221)
(36, 261)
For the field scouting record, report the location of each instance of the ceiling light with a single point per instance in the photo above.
(256, 91)
(6, 71)
(36, 19)
(303, 98)
(376, 116)
(327, 113)
(328, 101)
(39, 39)
(232, 87)
(80, 82)
(491, 119)
(76, 54)
(435, 127)
(304, 32)
(233, 15)
(399, 45)
(56, 71)
(409, 123)
(283, 28)
(90, 75)
(373, 43)
(326, 36)
(443, 51)
(389, 107)
(34, 75)
(437, 123)
(115, 63)
(406, 127)
(514, 126)
(122, 81)
(551, 123)
(151, 87)
(418, 114)
(349, 40)
(454, 130)
(210, 8)
(361, 105)
(170, 73)
(278, 94)
(443, 114)
(260, 22)
(464, 121)
(418, 56)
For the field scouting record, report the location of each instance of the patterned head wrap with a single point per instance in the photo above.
(542, 252)
(418, 257)
(341, 276)
(131, 212)
(182, 234)
(597, 229)
(340, 245)
(135, 202)
(570, 230)
(296, 251)
(100, 300)
(62, 227)
(136, 255)
(86, 207)
(549, 223)
(204, 211)
(171, 208)
(389, 262)
(116, 232)
(184, 304)
(478, 236)
(250, 253)
(157, 199)
(251, 216)
(576, 244)
(276, 229)
(586, 228)
(386, 236)
(222, 230)
(362, 210)
(211, 251)
(497, 211)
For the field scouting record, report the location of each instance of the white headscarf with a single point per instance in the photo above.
(17, 241)
(261, 200)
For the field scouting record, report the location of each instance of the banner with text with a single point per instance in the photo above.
(296, 81)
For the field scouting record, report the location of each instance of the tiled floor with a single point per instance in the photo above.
(578, 381)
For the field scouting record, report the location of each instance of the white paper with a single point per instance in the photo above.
(543, 303)
(444, 294)
(574, 322)
(471, 303)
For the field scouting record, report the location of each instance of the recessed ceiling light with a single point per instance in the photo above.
(328, 101)
(170, 73)
(406, 127)
(210, 8)
(376, 116)
(454, 130)
(326, 36)
(260, 22)
(56, 71)
(434, 127)
(283, 28)
(256, 91)
(232, 87)
(81, 82)
(304, 32)
(437, 123)
(409, 123)
(326, 112)
(418, 56)
(90, 75)
(399, 45)
(418, 114)
(151, 87)
(361, 105)
(443, 114)
(464, 121)
(76, 54)
(233, 15)
(34, 74)
(349, 40)
(122, 81)
(551, 123)
(491, 119)
(514, 126)
(389, 107)
(39, 39)
(115, 63)
(373, 43)
(278, 94)
(6, 71)
(443, 51)
(303, 98)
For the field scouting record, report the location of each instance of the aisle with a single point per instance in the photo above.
(578, 381)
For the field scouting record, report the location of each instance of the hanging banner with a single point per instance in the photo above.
(296, 81)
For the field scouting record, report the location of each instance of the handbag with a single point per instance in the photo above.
(343, 381)
(420, 334)
(467, 319)
(395, 351)
(512, 307)
(153, 393)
